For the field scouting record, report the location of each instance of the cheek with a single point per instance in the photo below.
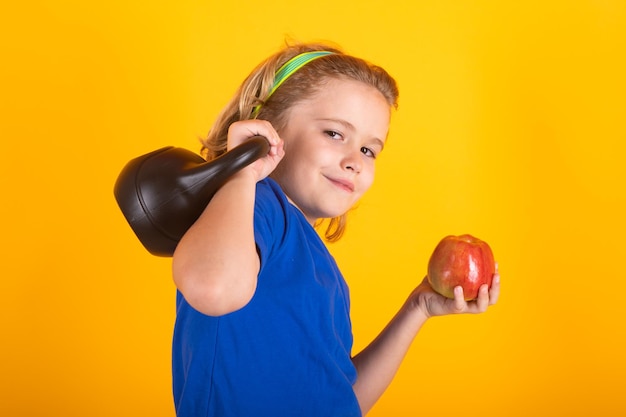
(304, 157)
(368, 175)
(293, 161)
(296, 166)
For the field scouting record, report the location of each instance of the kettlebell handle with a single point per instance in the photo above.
(162, 193)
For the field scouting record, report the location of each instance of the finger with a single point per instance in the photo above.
(459, 300)
(271, 135)
(276, 143)
(263, 128)
(280, 149)
(482, 301)
(245, 129)
(494, 291)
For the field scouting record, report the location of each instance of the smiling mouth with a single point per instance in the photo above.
(342, 184)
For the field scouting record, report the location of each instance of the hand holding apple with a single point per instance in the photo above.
(463, 261)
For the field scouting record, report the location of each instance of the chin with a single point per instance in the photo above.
(336, 213)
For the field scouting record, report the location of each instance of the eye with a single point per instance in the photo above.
(368, 152)
(333, 134)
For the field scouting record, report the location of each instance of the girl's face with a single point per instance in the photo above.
(331, 143)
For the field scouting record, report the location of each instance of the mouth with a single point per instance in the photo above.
(344, 185)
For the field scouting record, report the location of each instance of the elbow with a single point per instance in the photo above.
(215, 297)
(215, 301)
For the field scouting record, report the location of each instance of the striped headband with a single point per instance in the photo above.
(288, 68)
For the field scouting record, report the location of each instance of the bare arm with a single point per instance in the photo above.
(378, 363)
(215, 264)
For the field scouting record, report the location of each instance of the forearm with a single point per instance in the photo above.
(378, 363)
(215, 264)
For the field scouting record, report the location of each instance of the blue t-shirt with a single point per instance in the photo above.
(288, 351)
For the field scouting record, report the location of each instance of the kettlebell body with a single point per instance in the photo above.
(162, 193)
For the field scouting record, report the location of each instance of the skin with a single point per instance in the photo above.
(331, 145)
(324, 160)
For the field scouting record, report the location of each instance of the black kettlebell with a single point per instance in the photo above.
(162, 193)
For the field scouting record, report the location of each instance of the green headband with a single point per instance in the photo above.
(288, 68)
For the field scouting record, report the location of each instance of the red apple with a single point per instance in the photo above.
(461, 260)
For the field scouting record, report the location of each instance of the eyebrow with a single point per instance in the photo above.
(350, 126)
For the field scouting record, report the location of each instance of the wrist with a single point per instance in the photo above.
(417, 304)
(414, 307)
(238, 185)
(245, 176)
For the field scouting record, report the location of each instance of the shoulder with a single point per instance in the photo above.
(278, 224)
(271, 215)
(271, 202)
(269, 192)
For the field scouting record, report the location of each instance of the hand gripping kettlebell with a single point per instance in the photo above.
(162, 193)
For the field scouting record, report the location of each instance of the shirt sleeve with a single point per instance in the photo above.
(269, 219)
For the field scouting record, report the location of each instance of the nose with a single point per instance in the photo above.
(352, 161)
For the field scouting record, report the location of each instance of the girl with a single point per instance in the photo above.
(263, 326)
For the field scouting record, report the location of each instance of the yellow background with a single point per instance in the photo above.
(511, 127)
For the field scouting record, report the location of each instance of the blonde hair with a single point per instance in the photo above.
(301, 85)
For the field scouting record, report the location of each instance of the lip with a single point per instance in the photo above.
(342, 184)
